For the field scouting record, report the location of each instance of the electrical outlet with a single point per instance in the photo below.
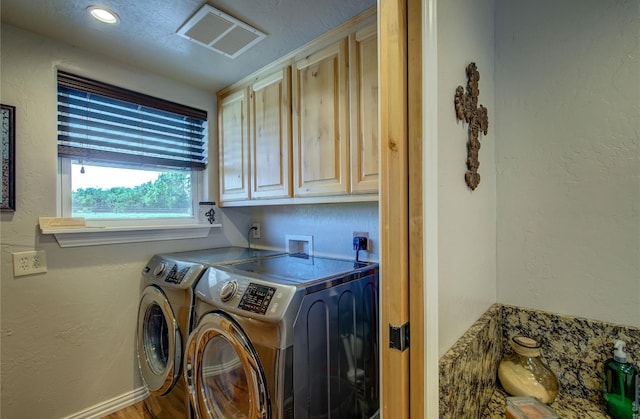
(257, 231)
(29, 263)
(360, 243)
(364, 234)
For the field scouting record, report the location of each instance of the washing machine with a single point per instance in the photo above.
(285, 337)
(165, 317)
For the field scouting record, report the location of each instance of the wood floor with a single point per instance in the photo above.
(137, 411)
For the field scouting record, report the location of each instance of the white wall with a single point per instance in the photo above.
(568, 125)
(331, 225)
(555, 222)
(68, 335)
(466, 219)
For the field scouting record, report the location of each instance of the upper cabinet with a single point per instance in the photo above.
(363, 79)
(233, 146)
(270, 135)
(305, 128)
(320, 121)
(254, 139)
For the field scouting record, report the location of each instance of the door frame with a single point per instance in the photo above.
(429, 295)
(408, 129)
(401, 206)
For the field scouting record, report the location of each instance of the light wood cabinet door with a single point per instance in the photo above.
(320, 122)
(363, 78)
(271, 135)
(233, 146)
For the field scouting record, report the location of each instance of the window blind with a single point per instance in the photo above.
(103, 123)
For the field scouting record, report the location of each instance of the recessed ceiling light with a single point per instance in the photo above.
(103, 15)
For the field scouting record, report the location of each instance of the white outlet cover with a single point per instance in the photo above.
(29, 263)
(257, 233)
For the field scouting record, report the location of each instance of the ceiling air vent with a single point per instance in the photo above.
(220, 32)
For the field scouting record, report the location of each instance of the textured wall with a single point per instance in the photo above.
(568, 125)
(68, 335)
(333, 238)
(466, 219)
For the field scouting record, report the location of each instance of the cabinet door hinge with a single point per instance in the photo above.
(399, 337)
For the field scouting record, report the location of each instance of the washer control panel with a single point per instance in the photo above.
(177, 274)
(256, 298)
(245, 295)
(170, 272)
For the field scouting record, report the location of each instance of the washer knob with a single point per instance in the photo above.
(228, 290)
(159, 269)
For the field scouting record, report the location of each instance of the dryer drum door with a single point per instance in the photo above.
(159, 343)
(224, 375)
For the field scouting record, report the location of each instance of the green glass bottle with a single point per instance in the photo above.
(620, 385)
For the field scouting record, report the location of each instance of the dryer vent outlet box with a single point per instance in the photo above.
(297, 244)
(220, 32)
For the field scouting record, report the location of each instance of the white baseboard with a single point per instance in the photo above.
(110, 406)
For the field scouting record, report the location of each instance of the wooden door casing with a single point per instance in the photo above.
(416, 209)
(401, 206)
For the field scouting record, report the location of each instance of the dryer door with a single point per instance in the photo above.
(224, 375)
(159, 342)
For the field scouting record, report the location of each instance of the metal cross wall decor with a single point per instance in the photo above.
(467, 109)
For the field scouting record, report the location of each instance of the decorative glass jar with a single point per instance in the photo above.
(522, 373)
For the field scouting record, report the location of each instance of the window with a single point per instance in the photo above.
(127, 156)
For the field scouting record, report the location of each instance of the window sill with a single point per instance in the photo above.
(93, 236)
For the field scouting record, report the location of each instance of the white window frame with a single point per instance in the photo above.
(101, 232)
(64, 202)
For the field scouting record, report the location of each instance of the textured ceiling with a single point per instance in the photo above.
(146, 35)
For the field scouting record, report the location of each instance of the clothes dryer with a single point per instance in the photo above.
(165, 317)
(285, 337)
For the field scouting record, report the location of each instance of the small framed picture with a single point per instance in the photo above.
(8, 122)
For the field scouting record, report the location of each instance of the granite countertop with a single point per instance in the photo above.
(574, 348)
(565, 405)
